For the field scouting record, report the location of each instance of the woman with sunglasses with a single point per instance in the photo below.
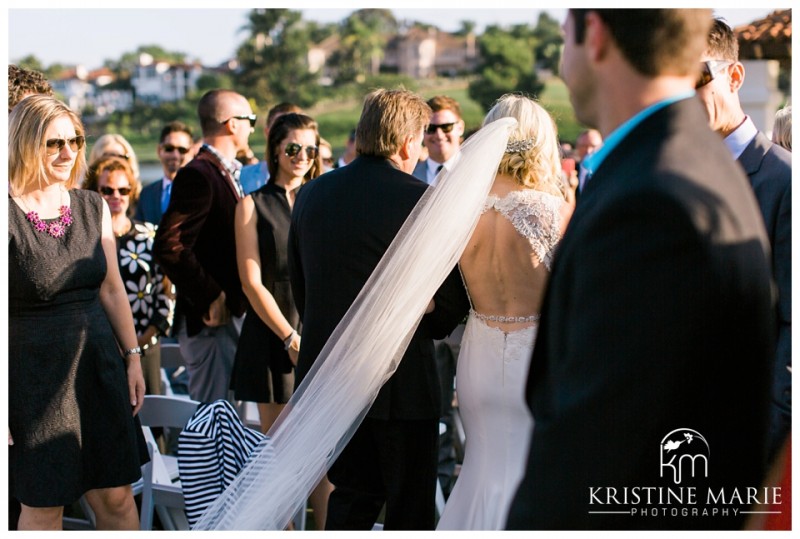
(150, 293)
(113, 145)
(75, 378)
(263, 370)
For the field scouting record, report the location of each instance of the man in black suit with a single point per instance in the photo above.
(174, 151)
(651, 368)
(769, 168)
(342, 224)
(195, 245)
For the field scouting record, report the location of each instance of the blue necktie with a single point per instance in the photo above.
(165, 193)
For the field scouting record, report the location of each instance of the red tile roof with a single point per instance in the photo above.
(769, 38)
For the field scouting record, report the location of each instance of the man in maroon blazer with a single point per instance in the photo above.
(196, 247)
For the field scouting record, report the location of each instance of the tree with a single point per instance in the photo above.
(549, 38)
(127, 63)
(507, 65)
(364, 34)
(273, 60)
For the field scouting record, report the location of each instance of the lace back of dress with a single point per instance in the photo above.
(535, 215)
(365, 348)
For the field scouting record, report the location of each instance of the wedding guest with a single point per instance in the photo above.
(113, 145)
(195, 245)
(342, 224)
(257, 174)
(326, 155)
(442, 141)
(263, 370)
(174, 151)
(769, 169)
(24, 82)
(782, 129)
(658, 315)
(150, 294)
(75, 378)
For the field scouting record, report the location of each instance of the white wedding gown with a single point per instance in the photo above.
(490, 382)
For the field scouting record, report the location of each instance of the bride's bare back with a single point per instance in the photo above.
(506, 262)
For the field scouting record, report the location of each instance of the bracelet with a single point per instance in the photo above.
(287, 342)
(137, 350)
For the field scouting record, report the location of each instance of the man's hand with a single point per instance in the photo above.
(218, 313)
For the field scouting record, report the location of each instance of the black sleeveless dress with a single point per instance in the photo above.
(69, 409)
(262, 370)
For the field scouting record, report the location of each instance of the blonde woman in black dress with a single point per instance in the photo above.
(75, 378)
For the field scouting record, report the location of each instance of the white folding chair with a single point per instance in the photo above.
(161, 489)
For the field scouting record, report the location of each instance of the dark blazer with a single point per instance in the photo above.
(769, 168)
(149, 206)
(658, 317)
(342, 224)
(195, 242)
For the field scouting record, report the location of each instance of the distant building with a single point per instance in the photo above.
(156, 82)
(423, 53)
(85, 90)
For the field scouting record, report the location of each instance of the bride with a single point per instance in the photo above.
(505, 268)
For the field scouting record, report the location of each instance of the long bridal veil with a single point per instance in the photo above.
(365, 348)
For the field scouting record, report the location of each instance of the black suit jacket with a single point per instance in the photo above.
(342, 224)
(658, 317)
(149, 206)
(769, 168)
(195, 242)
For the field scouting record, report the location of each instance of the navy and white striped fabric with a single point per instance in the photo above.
(212, 449)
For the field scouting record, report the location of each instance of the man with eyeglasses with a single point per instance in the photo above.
(195, 245)
(442, 138)
(769, 169)
(174, 151)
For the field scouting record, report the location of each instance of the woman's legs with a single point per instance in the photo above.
(319, 502)
(267, 414)
(40, 518)
(114, 508)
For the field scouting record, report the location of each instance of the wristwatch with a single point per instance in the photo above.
(137, 350)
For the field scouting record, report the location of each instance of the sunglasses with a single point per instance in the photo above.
(251, 117)
(709, 71)
(126, 157)
(169, 148)
(293, 148)
(55, 145)
(446, 128)
(108, 191)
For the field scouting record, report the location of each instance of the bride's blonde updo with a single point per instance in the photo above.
(532, 156)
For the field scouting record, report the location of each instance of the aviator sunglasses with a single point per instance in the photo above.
(293, 148)
(55, 145)
(108, 191)
(709, 71)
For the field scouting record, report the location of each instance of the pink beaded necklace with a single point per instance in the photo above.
(57, 228)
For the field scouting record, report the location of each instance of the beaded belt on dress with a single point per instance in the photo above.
(505, 319)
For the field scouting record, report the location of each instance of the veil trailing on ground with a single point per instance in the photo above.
(365, 348)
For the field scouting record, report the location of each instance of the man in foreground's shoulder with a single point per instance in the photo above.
(650, 374)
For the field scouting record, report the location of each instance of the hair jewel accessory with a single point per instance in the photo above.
(519, 146)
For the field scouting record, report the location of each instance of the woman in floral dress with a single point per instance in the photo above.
(149, 292)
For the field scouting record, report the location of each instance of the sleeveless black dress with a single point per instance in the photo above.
(262, 370)
(69, 409)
